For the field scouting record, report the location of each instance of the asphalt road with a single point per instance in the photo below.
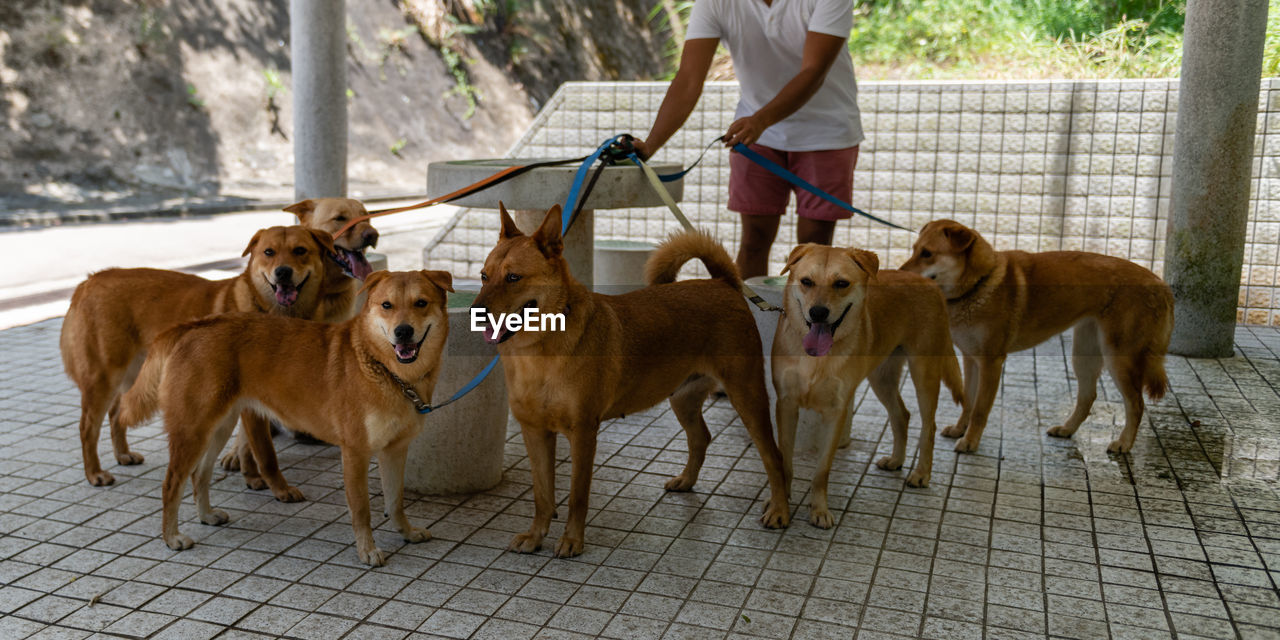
(47, 263)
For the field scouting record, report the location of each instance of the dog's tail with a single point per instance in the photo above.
(1151, 358)
(951, 377)
(142, 400)
(684, 246)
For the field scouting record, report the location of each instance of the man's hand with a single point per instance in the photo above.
(642, 149)
(745, 131)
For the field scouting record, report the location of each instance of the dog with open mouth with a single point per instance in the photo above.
(1000, 302)
(358, 374)
(116, 313)
(618, 355)
(846, 321)
(345, 271)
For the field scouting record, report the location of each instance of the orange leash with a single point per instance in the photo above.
(495, 178)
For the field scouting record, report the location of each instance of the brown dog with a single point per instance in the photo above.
(347, 266)
(116, 313)
(203, 374)
(619, 355)
(344, 272)
(845, 321)
(1006, 301)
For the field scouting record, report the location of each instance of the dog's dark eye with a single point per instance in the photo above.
(340, 219)
(806, 282)
(420, 303)
(269, 252)
(925, 253)
(513, 277)
(840, 284)
(386, 305)
(484, 277)
(299, 251)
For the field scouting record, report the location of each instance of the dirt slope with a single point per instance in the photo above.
(100, 99)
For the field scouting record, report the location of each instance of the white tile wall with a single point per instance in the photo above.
(1034, 165)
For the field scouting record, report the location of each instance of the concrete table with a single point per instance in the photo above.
(529, 196)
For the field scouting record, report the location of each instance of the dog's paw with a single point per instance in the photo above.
(230, 461)
(100, 479)
(954, 431)
(963, 445)
(372, 556)
(129, 458)
(1060, 431)
(679, 483)
(775, 516)
(568, 547)
(289, 494)
(255, 482)
(1119, 446)
(215, 517)
(525, 543)
(918, 479)
(416, 535)
(821, 518)
(889, 464)
(180, 542)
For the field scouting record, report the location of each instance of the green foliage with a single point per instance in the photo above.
(193, 97)
(398, 146)
(275, 86)
(1271, 50)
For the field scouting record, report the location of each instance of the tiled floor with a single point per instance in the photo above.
(1029, 537)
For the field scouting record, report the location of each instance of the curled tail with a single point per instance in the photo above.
(142, 400)
(684, 246)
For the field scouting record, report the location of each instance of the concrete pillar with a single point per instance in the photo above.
(1212, 157)
(317, 29)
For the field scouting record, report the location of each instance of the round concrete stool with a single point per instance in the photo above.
(460, 450)
(811, 434)
(620, 265)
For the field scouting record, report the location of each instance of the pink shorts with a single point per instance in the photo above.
(755, 191)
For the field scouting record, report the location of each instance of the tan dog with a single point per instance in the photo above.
(343, 383)
(348, 266)
(845, 321)
(116, 313)
(345, 270)
(619, 355)
(1006, 301)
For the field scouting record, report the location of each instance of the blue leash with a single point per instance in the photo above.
(565, 217)
(796, 180)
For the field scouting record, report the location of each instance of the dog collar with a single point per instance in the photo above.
(405, 388)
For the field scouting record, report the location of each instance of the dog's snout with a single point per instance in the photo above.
(818, 313)
(369, 238)
(404, 333)
(284, 274)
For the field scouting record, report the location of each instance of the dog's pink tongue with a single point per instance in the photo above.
(406, 351)
(286, 296)
(359, 265)
(819, 339)
(491, 334)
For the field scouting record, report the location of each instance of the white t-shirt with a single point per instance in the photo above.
(767, 45)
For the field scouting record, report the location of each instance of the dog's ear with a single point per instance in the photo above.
(252, 242)
(374, 278)
(442, 279)
(799, 252)
(866, 260)
(323, 239)
(960, 236)
(509, 228)
(302, 209)
(548, 235)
